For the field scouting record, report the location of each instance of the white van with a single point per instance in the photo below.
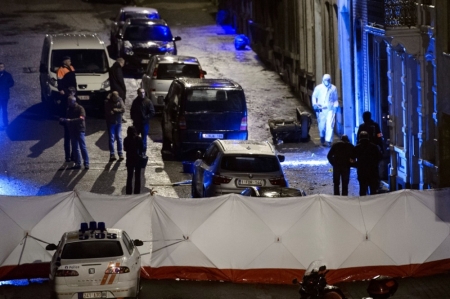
(90, 59)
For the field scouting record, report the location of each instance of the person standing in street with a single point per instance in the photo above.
(341, 157)
(133, 146)
(367, 157)
(6, 82)
(75, 120)
(141, 112)
(373, 130)
(325, 103)
(68, 152)
(116, 80)
(114, 109)
(66, 79)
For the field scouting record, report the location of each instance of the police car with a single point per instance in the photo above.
(95, 262)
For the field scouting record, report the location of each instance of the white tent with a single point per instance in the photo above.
(243, 239)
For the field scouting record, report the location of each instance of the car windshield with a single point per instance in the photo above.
(139, 15)
(214, 100)
(91, 250)
(250, 163)
(171, 71)
(148, 33)
(83, 61)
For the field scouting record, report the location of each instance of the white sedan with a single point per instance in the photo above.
(95, 262)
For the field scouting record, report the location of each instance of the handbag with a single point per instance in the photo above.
(143, 161)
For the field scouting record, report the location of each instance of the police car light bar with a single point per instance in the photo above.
(92, 225)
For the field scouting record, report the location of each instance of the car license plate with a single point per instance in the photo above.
(251, 182)
(212, 136)
(92, 295)
(83, 98)
(145, 61)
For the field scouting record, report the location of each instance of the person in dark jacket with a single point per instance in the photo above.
(116, 80)
(69, 154)
(75, 120)
(134, 148)
(141, 112)
(114, 109)
(373, 130)
(6, 82)
(341, 157)
(66, 79)
(367, 157)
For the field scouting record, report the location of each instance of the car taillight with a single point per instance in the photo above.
(182, 123)
(278, 181)
(155, 73)
(243, 124)
(63, 273)
(117, 270)
(220, 179)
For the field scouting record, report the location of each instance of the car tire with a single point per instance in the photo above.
(194, 191)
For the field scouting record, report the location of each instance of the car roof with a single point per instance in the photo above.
(176, 59)
(141, 10)
(246, 147)
(144, 21)
(209, 83)
(73, 236)
(74, 41)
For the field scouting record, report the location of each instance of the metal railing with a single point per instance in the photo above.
(396, 13)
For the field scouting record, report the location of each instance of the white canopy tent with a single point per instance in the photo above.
(243, 239)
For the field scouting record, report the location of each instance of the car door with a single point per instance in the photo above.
(147, 76)
(170, 107)
(204, 170)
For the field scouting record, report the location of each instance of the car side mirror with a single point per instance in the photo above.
(204, 72)
(281, 158)
(198, 155)
(138, 242)
(176, 38)
(51, 247)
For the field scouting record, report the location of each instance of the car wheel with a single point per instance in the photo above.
(194, 192)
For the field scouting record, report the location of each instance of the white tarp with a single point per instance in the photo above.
(404, 233)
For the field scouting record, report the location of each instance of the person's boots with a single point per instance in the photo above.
(322, 141)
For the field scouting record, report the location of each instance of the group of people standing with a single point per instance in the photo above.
(73, 119)
(365, 156)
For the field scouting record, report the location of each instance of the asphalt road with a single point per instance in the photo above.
(32, 160)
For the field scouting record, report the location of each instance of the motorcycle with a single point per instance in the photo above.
(314, 285)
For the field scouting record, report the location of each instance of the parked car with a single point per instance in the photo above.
(259, 191)
(95, 262)
(162, 70)
(90, 59)
(198, 111)
(229, 166)
(130, 12)
(139, 39)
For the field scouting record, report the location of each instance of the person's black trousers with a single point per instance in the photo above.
(136, 172)
(341, 174)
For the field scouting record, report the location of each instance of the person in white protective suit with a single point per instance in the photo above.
(325, 103)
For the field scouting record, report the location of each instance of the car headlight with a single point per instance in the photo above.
(128, 48)
(105, 84)
(53, 82)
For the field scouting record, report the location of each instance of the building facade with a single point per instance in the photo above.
(389, 57)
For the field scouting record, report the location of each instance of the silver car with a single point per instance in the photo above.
(161, 71)
(229, 166)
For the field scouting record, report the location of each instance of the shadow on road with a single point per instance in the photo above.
(65, 179)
